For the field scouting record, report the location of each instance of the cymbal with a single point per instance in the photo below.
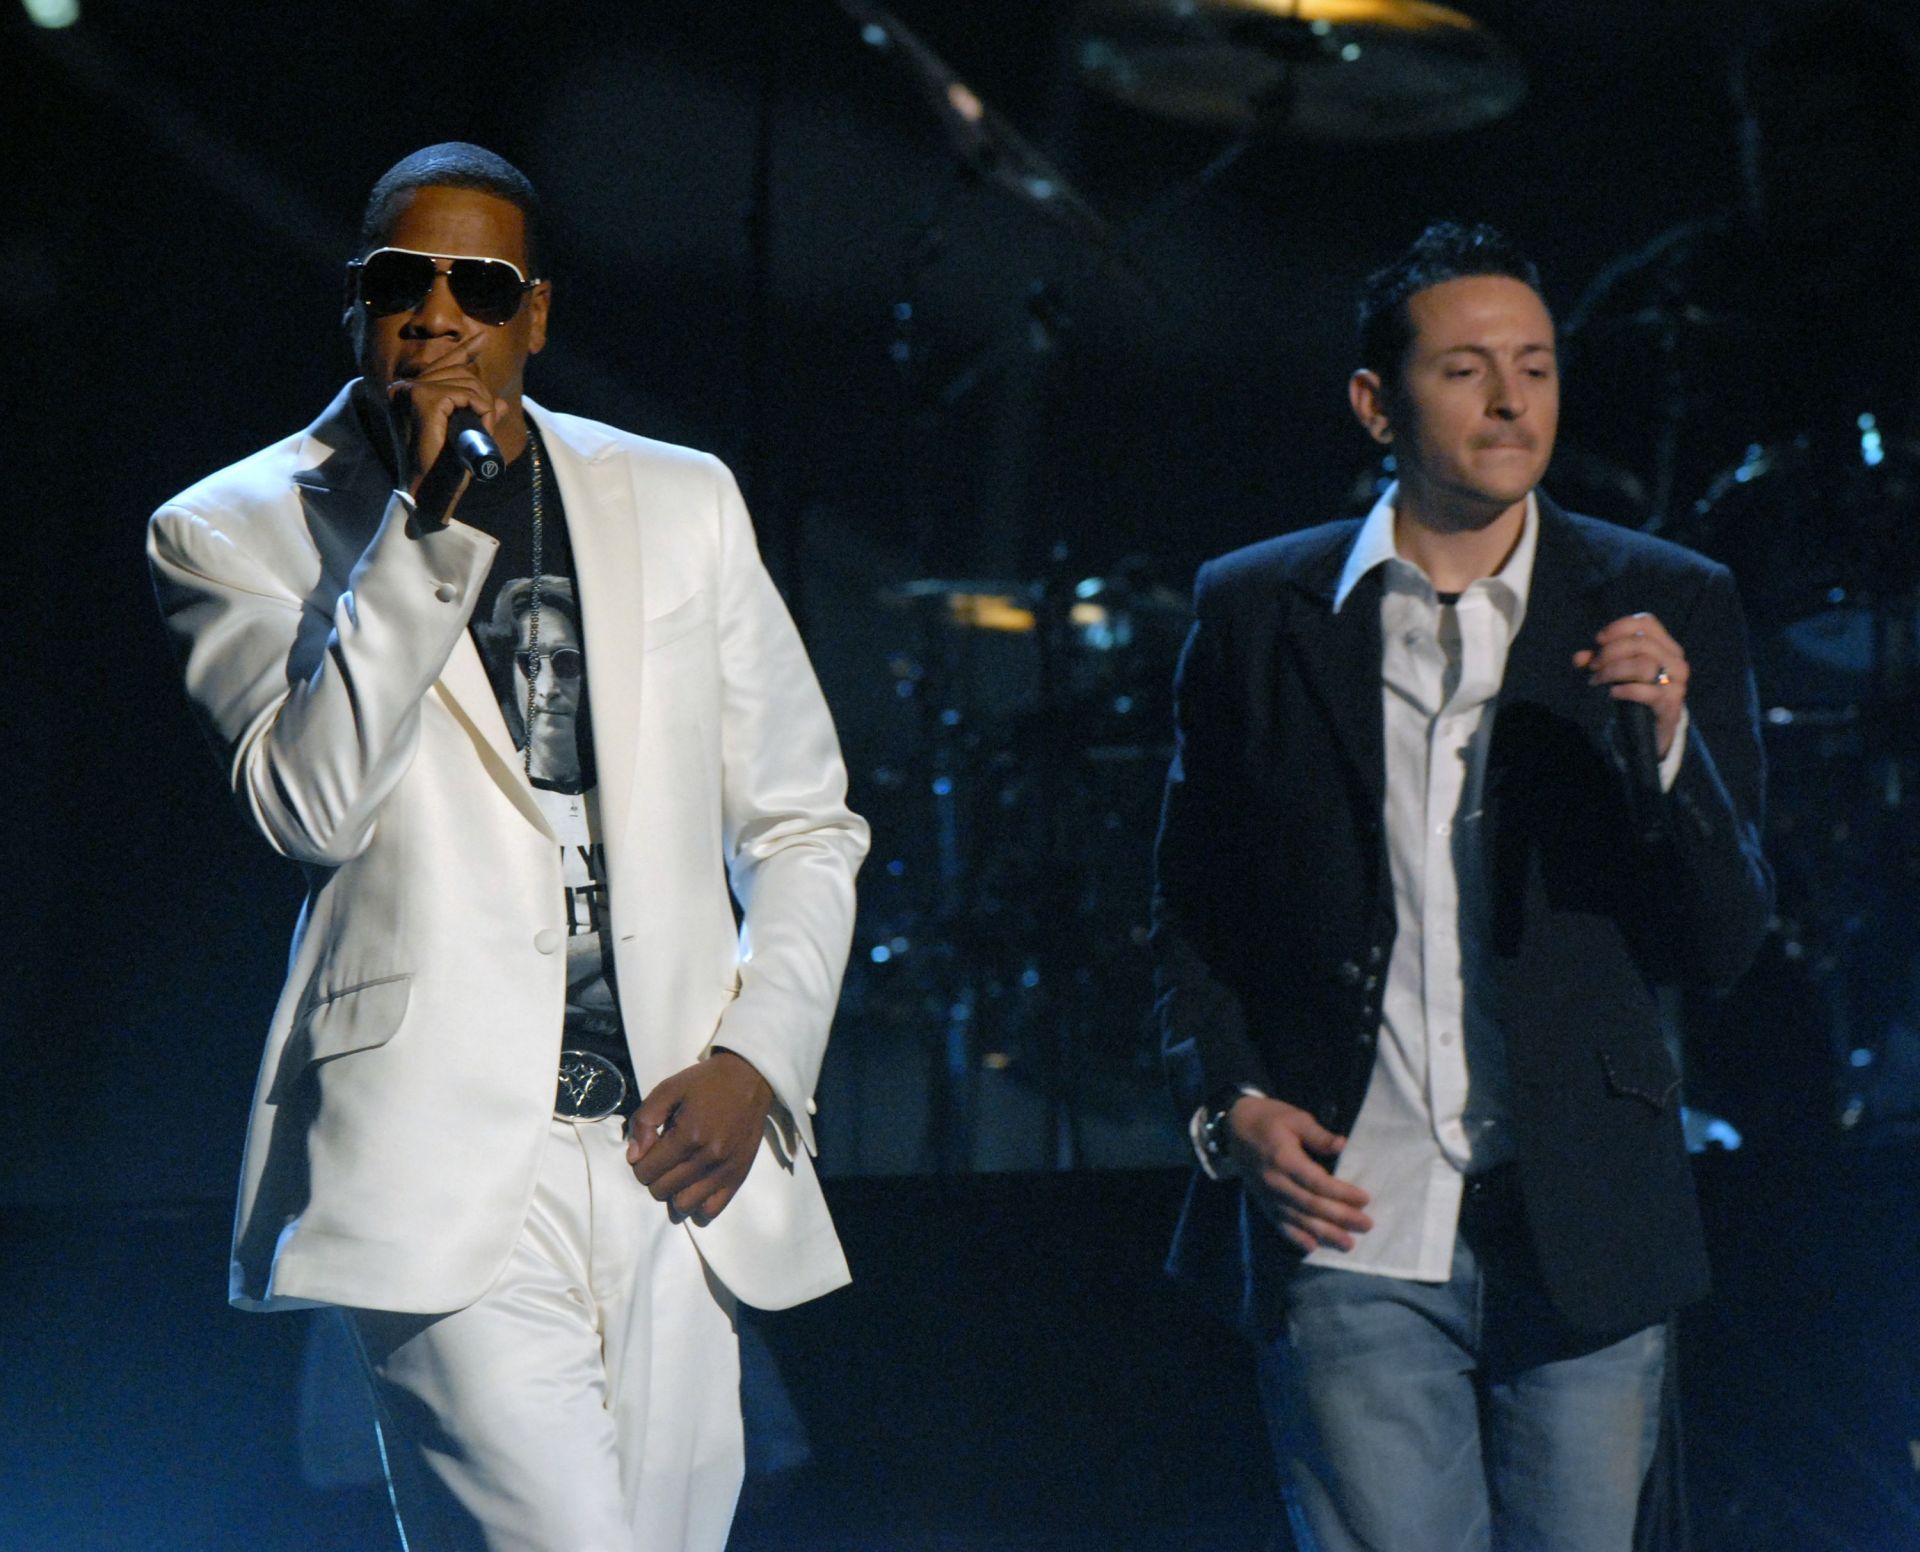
(972, 603)
(1132, 591)
(1320, 69)
(1009, 604)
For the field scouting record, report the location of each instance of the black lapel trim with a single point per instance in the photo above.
(1340, 660)
(1561, 619)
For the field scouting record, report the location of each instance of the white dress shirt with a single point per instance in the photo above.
(1436, 1109)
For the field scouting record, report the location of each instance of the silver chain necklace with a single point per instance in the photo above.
(533, 600)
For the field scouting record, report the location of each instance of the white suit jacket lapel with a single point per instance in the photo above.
(469, 695)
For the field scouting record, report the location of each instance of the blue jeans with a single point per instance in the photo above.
(1463, 1416)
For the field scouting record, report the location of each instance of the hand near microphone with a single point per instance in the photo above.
(1639, 663)
(429, 413)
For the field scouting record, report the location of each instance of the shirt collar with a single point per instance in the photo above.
(1373, 546)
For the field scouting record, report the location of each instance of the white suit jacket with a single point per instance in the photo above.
(409, 1072)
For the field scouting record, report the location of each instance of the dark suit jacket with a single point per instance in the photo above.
(1274, 911)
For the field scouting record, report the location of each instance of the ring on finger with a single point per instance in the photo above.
(1661, 677)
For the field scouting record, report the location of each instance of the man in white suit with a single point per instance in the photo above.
(534, 1111)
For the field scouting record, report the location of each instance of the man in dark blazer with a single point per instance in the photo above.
(1421, 868)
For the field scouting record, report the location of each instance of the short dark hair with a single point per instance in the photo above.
(1446, 250)
(454, 164)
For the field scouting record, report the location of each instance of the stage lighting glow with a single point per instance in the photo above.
(1723, 1134)
(1705, 1130)
(52, 13)
(1873, 450)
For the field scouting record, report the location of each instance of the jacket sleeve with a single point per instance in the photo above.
(1204, 1041)
(1716, 806)
(313, 703)
(793, 846)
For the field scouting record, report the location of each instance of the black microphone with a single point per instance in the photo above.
(474, 445)
(1640, 737)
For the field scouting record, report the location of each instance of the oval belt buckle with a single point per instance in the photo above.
(591, 1088)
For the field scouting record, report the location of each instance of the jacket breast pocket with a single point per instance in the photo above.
(355, 1019)
(1643, 1073)
(684, 618)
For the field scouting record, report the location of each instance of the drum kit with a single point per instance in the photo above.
(1010, 914)
(1008, 919)
(1822, 533)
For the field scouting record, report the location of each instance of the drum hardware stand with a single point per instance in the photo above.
(986, 149)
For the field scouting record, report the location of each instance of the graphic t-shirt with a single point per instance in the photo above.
(536, 660)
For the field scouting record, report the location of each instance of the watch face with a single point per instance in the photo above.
(591, 1088)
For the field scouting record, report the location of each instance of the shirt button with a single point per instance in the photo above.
(1445, 827)
(446, 592)
(1446, 1037)
(547, 939)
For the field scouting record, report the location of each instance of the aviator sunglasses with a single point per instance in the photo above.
(397, 280)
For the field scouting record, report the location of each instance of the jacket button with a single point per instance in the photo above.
(446, 592)
(1375, 954)
(1349, 973)
(547, 939)
(1365, 1037)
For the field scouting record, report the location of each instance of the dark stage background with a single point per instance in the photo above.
(190, 177)
(185, 182)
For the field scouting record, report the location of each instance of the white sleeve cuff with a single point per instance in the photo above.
(1670, 765)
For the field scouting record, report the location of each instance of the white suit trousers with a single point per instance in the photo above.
(589, 1401)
